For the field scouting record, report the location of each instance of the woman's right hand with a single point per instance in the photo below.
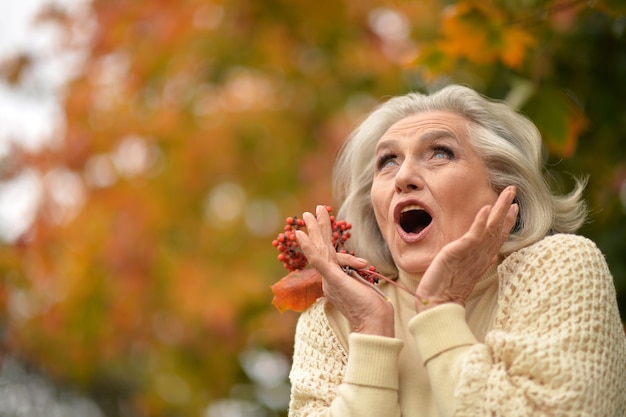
(367, 311)
(454, 272)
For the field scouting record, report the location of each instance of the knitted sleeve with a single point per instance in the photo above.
(558, 347)
(325, 382)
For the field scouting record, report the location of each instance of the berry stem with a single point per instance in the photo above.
(354, 274)
(390, 281)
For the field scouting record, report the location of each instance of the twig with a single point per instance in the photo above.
(355, 274)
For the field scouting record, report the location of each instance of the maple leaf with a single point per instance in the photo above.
(297, 290)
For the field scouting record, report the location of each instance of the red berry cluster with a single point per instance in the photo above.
(291, 255)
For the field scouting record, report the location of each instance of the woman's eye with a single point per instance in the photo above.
(443, 152)
(386, 161)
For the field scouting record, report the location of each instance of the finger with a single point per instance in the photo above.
(500, 212)
(507, 226)
(310, 242)
(477, 229)
(319, 228)
(321, 242)
(510, 220)
(305, 244)
(313, 228)
(323, 219)
(502, 205)
(351, 261)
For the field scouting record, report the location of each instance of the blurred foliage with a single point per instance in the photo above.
(197, 126)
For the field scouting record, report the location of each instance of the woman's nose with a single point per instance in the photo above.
(408, 178)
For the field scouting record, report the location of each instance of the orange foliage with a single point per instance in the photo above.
(297, 290)
(483, 34)
(516, 43)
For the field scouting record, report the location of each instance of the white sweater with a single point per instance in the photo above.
(540, 336)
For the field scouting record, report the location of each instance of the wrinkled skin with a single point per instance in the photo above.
(427, 160)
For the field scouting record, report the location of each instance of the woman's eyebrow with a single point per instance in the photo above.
(386, 144)
(435, 135)
(431, 136)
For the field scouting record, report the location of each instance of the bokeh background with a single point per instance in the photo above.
(151, 149)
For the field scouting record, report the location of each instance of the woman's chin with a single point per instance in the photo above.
(413, 266)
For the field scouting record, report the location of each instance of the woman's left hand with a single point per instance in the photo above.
(366, 310)
(456, 269)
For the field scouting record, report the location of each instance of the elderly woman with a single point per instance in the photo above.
(498, 309)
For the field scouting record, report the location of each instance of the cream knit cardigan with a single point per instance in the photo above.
(540, 336)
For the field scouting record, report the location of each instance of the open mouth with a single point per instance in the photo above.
(414, 220)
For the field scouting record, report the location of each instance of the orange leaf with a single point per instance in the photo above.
(515, 46)
(297, 290)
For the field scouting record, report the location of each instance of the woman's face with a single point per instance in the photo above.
(428, 186)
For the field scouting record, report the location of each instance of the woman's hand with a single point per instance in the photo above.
(366, 310)
(456, 269)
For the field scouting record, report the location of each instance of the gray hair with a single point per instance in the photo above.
(508, 143)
